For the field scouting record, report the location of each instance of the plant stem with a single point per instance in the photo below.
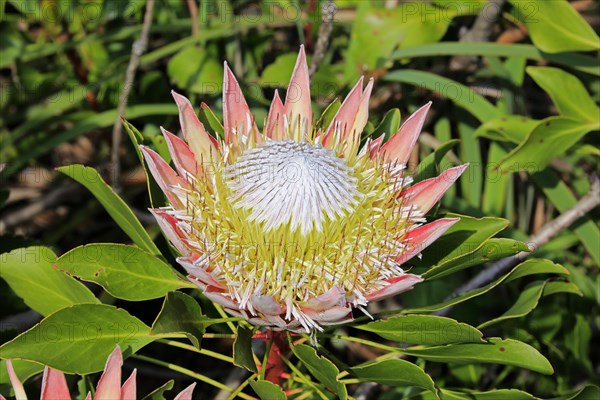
(275, 365)
(364, 341)
(195, 375)
(205, 352)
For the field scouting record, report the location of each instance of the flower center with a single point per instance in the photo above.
(286, 182)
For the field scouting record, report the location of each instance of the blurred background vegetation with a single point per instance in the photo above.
(515, 93)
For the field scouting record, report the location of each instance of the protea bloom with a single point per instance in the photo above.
(54, 383)
(293, 226)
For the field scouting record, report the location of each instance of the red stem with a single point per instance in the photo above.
(275, 368)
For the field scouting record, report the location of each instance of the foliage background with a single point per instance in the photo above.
(515, 94)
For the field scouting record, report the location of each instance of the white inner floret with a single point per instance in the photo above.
(283, 182)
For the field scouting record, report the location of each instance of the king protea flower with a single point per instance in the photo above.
(54, 383)
(291, 227)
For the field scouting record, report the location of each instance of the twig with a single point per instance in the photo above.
(479, 32)
(328, 9)
(47, 202)
(546, 232)
(193, 8)
(138, 48)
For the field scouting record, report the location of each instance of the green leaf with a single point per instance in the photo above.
(154, 191)
(554, 287)
(510, 128)
(463, 238)
(575, 102)
(430, 166)
(210, 120)
(552, 137)
(588, 392)
(395, 372)
(321, 368)
(423, 329)
(535, 266)
(29, 272)
(388, 126)
(242, 349)
(571, 59)
(126, 272)
(196, 70)
(180, 313)
(113, 204)
(278, 73)
(497, 351)
(528, 300)
(527, 268)
(463, 96)
(492, 249)
(498, 394)
(570, 32)
(328, 114)
(577, 340)
(267, 390)
(158, 394)
(78, 339)
(376, 32)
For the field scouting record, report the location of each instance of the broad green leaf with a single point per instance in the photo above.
(574, 102)
(321, 368)
(571, 59)
(423, 329)
(242, 349)
(562, 197)
(430, 166)
(463, 238)
(126, 272)
(528, 300)
(497, 351)
(113, 204)
(395, 372)
(376, 32)
(527, 268)
(510, 128)
(490, 250)
(29, 272)
(267, 390)
(570, 32)
(552, 137)
(463, 96)
(180, 313)
(23, 369)
(78, 339)
(279, 72)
